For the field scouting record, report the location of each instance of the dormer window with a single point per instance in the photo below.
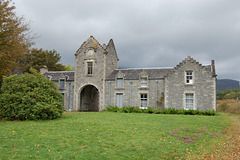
(89, 68)
(143, 81)
(189, 77)
(62, 83)
(119, 82)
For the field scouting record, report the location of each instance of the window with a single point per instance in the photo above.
(189, 101)
(119, 100)
(119, 82)
(143, 101)
(63, 99)
(62, 83)
(89, 68)
(143, 82)
(189, 77)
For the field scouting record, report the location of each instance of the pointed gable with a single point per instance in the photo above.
(190, 60)
(91, 42)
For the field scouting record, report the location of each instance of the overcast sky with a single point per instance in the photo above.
(153, 33)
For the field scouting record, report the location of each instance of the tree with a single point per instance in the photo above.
(37, 58)
(68, 68)
(29, 97)
(229, 94)
(14, 37)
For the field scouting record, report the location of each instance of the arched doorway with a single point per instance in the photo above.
(89, 99)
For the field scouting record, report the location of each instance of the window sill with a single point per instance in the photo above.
(89, 75)
(190, 109)
(143, 88)
(119, 88)
(143, 107)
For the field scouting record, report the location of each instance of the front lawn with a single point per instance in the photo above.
(106, 135)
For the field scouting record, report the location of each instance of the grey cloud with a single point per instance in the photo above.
(153, 33)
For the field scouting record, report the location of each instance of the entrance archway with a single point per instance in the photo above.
(89, 99)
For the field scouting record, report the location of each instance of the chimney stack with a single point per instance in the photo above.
(213, 68)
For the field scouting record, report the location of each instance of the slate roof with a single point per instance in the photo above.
(56, 75)
(156, 73)
(153, 73)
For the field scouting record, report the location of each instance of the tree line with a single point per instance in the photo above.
(229, 94)
(16, 43)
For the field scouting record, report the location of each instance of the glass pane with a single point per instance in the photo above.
(62, 83)
(189, 96)
(119, 82)
(90, 64)
(143, 82)
(143, 96)
(144, 103)
(119, 100)
(189, 101)
(63, 99)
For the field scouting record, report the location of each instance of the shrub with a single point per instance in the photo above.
(112, 109)
(149, 110)
(29, 97)
(163, 111)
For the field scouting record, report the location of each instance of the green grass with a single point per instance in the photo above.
(107, 135)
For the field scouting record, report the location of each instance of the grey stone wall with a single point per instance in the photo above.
(81, 78)
(68, 92)
(203, 87)
(168, 92)
(131, 92)
(111, 58)
(104, 61)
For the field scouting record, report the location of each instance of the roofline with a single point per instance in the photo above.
(59, 71)
(137, 79)
(145, 68)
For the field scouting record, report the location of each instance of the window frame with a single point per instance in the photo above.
(60, 84)
(187, 98)
(145, 84)
(117, 84)
(143, 99)
(63, 103)
(118, 99)
(89, 69)
(189, 78)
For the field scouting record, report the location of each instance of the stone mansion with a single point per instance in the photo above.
(97, 82)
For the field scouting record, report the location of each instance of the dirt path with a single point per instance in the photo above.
(230, 149)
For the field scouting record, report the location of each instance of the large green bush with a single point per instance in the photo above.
(29, 97)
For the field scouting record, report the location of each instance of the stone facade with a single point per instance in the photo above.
(64, 80)
(97, 83)
(203, 86)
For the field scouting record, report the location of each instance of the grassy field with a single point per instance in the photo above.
(105, 135)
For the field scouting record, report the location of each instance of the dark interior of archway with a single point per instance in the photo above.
(89, 99)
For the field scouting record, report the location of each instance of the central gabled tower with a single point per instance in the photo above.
(93, 63)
